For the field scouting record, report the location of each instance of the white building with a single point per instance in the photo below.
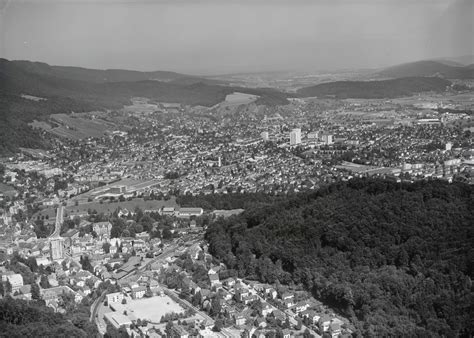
(295, 136)
(56, 248)
(327, 138)
(115, 297)
(15, 279)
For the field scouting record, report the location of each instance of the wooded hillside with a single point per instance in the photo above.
(397, 259)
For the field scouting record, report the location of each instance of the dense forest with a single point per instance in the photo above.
(406, 86)
(20, 318)
(227, 201)
(397, 259)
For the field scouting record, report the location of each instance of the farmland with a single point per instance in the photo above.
(75, 126)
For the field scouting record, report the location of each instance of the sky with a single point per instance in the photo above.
(233, 36)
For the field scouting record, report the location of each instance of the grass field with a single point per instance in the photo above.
(75, 126)
(154, 308)
(239, 98)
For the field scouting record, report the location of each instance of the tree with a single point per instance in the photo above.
(90, 283)
(35, 291)
(31, 262)
(76, 220)
(44, 282)
(218, 325)
(8, 287)
(215, 307)
(86, 264)
(299, 324)
(106, 247)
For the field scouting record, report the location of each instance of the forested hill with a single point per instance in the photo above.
(406, 86)
(397, 259)
(429, 68)
(106, 75)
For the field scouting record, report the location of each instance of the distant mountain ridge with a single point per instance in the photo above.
(428, 68)
(42, 80)
(107, 75)
(376, 89)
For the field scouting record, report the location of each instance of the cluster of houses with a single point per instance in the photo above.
(76, 282)
(254, 308)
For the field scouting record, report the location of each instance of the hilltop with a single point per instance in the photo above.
(429, 68)
(376, 89)
(107, 75)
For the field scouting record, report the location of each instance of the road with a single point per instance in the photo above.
(59, 222)
(95, 305)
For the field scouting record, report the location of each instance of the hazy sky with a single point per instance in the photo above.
(226, 36)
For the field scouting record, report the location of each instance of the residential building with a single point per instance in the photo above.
(116, 297)
(138, 292)
(295, 136)
(15, 279)
(102, 229)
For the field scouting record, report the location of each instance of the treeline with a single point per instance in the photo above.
(227, 201)
(20, 318)
(397, 259)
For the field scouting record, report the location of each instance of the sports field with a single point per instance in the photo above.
(153, 308)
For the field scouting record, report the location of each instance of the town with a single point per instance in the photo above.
(96, 224)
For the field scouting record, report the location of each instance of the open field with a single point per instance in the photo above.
(75, 126)
(239, 98)
(463, 100)
(153, 308)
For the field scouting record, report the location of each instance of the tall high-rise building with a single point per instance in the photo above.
(295, 136)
